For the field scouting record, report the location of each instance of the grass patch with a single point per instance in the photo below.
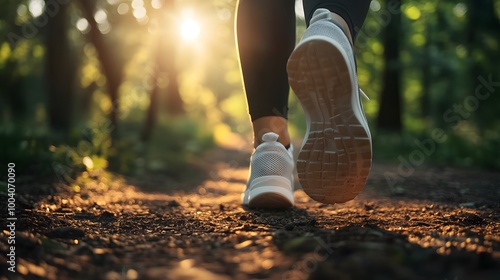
(89, 149)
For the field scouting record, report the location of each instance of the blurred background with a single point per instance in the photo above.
(138, 86)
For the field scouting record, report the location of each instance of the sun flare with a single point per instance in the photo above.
(190, 29)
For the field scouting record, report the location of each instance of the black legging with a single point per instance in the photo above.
(266, 38)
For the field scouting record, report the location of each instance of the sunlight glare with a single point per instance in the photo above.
(156, 4)
(100, 16)
(460, 9)
(21, 10)
(82, 24)
(36, 7)
(190, 29)
(122, 8)
(375, 6)
(137, 4)
(299, 9)
(139, 12)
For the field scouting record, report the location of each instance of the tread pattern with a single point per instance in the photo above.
(335, 160)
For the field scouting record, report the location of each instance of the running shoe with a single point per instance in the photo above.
(270, 183)
(335, 159)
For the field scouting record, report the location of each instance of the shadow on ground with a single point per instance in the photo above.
(439, 224)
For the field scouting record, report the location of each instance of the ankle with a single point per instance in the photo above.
(278, 125)
(340, 21)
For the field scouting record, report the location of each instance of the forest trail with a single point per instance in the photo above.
(441, 223)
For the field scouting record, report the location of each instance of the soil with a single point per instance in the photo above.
(438, 223)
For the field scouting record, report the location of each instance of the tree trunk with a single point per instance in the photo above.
(482, 22)
(173, 101)
(108, 64)
(152, 112)
(425, 101)
(60, 71)
(389, 116)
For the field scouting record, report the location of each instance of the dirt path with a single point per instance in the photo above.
(441, 223)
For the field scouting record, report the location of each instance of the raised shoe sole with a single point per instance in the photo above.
(335, 159)
(269, 192)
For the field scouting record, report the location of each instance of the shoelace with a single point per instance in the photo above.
(363, 94)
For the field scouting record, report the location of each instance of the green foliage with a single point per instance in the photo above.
(446, 47)
(90, 152)
(27, 148)
(176, 143)
(459, 147)
(4, 186)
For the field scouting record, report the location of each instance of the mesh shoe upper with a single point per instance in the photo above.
(270, 183)
(271, 158)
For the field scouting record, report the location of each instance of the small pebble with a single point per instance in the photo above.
(66, 233)
(290, 226)
(173, 203)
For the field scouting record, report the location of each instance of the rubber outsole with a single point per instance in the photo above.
(270, 201)
(271, 196)
(335, 159)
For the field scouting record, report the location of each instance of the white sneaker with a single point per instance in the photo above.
(336, 155)
(270, 184)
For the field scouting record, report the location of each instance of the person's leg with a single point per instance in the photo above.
(350, 14)
(266, 37)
